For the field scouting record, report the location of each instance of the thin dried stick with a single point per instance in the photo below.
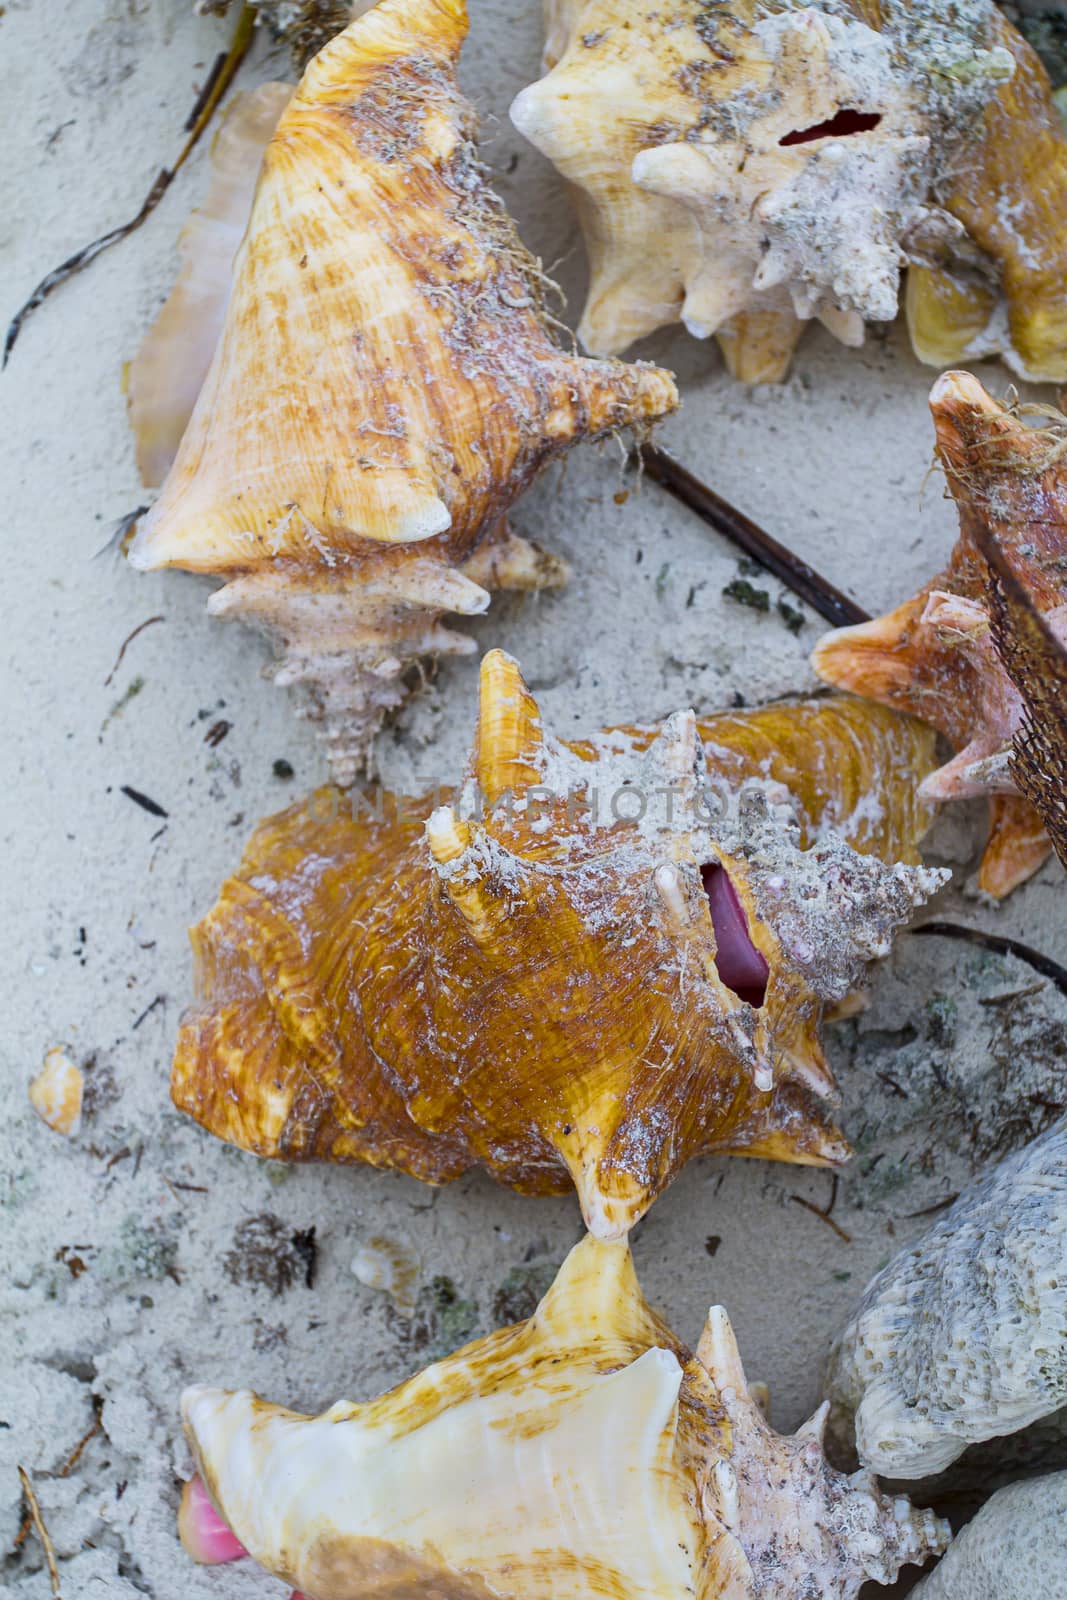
(42, 1531)
(823, 1216)
(222, 78)
(811, 587)
(1002, 945)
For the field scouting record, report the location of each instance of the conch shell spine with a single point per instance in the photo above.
(936, 656)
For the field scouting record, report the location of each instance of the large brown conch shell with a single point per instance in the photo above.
(585, 1453)
(591, 963)
(384, 387)
(936, 656)
(744, 166)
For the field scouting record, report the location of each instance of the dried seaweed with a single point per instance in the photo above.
(221, 78)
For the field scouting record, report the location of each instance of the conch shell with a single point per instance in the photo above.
(935, 655)
(961, 1337)
(593, 962)
(583, 1453)
(743, 166)
(1015, 1548)
(384, 387)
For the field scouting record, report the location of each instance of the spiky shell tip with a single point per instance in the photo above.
(936, 656)
(384, 386)
(583, 1452)
(746, 167)
(587, 964)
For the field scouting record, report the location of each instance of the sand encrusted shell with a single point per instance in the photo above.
(583, 1453)
(935, 655)
(744, 166)
(961, 1337)
(384, 387)
(1014, 1549)
(589, 963)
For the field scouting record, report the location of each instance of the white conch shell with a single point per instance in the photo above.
(744, 168)
(1014, 1549)
(384, 387)
(961, 1337)
(579, 1454)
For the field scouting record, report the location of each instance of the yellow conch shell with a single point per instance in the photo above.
(934, 655)
(384, 387)
(743, 166)
(589, 964)
(581, 1454)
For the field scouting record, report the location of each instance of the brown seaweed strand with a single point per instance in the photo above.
(222, 77)
(1001, 945)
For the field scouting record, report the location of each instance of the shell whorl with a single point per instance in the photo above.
(743, 168)
(586, 964)
(960, 1338)
(936, 656)
(582, 1452)
(385, 384)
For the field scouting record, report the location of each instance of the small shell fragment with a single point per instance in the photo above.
(387, 1264)
(56, 1092)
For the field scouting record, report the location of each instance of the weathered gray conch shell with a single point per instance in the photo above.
(963, 1336)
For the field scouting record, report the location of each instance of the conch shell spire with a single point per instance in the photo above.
(937, 655)
(583, 1452)
(589, 963)
(385, 384)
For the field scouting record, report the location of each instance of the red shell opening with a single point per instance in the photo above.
(841, 126)
(740, 965)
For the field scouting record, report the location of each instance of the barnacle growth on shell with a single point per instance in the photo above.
(384, 386)
(590, 963)
(961, 1337)
(1015, 1548)
(583, 1453)
(937, 656)
(305, 25)
(744, 166)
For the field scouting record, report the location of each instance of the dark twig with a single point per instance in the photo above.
(823, 1216)
(938, 1205)
(147, 1012)
(145, 801)
(1002, 946)
(130, 637)
(815, 590)
(221, 80)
